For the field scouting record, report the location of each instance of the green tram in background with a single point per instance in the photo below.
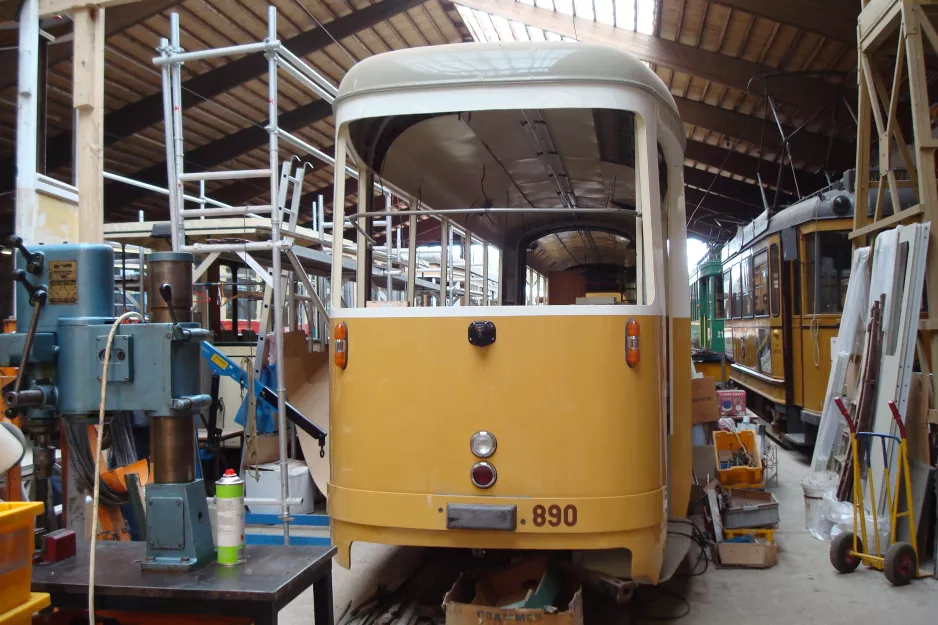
(706, 318)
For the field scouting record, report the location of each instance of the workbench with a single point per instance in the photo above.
(272, 577)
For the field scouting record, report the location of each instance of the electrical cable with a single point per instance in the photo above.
(97, 457)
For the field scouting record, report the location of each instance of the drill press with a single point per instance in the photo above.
(64, 312)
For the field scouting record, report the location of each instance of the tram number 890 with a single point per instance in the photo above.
(554, 515)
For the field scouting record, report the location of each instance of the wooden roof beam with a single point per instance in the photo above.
(738, 190)
(809, 146)
(741, 164)
(799, 91)
(148, 111)
(836, 19)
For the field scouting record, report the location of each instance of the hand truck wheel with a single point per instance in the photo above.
(840, 554)
(900, 564)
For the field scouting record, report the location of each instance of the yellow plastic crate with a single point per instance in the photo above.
(17, 520)
(23, 613)
(738, 477)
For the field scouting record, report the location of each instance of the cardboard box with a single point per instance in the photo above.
(703, 403)
(732, 403)
(475, 600)
(748, 555)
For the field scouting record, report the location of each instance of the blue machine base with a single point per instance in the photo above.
(179, 530)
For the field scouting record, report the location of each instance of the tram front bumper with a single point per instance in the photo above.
(634, 522)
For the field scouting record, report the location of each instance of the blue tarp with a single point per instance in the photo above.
(266, 414)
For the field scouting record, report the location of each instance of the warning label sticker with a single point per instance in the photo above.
(63, 282)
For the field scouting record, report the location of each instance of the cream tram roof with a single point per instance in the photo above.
(457, 159)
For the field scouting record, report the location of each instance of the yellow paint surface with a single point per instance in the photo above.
(574, 424)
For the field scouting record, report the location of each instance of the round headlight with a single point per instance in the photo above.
(483, 444)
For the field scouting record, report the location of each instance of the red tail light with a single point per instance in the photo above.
(483, 474)
(632, 332)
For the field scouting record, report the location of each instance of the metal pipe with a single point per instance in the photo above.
(444, 259)
(481, 210)
(141, 306)
(387, 240)
(277, 275)
(179, 147)
(156, 189)
(266, 501)
(172, 449)
(304, 80)
(338, 216)
(304, 67)
(321, 209)
(250, 211)
(299, 143)
(198, 55)
(174, 269)
(250, 246)
(27, 122)
(234, 174)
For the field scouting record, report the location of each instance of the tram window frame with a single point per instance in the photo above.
(820, 247)
(737, 291)
(746, 298)
(727, 303)
(760, 294)
(775, 280)
(717, 297)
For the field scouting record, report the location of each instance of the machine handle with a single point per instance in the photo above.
(37, 294)
(897, 418)
(846, 414)
(166, 292)
(34, 260)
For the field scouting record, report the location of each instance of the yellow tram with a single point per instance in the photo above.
(506, 426)
(784, 283)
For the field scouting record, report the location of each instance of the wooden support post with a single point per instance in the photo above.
(925, 155)
(88, 100)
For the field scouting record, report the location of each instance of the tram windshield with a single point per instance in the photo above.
(554, 191)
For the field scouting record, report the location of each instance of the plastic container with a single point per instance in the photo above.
(23, 613)
(750, 509)
(815, 487)
(725, 443)
(17, 520)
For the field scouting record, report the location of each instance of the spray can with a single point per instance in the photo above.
(229, 509)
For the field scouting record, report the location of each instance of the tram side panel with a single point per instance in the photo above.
(580, 435)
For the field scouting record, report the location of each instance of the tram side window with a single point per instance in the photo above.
(760, 284)
(726, 302)
(737, 292)
(775, 280)
(827, 271)
(746, 265)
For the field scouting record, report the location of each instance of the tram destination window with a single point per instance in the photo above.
(827, 271)
(760, 284)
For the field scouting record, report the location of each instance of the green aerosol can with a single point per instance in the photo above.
(229, 511)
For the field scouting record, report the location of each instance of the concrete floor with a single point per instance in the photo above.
(801, 589)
